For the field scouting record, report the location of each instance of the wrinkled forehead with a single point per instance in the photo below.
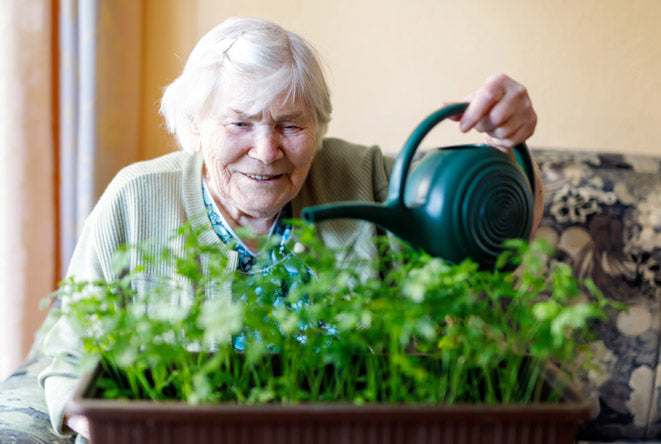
(252, 96)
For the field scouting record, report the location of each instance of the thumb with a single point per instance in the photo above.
(455, 117)
(467, 99)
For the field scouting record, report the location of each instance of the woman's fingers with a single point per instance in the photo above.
(502, 110)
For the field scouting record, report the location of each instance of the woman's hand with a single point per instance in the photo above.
(502, 110)
(79, 425)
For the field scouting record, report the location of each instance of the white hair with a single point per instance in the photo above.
(259, 52)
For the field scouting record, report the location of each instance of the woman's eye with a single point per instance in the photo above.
(239, 125)
(290, 128)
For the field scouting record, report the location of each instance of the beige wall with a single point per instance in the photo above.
(593, 67)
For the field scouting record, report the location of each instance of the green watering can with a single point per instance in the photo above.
(458, 202)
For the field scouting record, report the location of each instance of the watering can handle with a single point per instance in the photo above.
(403, 161)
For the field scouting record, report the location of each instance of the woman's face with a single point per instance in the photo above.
(256, 163)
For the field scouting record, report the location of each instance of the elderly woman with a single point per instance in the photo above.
(249, 111)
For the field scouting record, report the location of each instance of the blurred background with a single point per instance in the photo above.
(80, 82)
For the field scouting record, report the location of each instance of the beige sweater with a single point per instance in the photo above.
(151, 199)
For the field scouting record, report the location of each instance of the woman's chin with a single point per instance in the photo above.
(261, 209)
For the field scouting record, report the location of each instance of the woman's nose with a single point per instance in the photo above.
(266, 147)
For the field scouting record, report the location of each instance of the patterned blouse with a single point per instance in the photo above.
(267, 259)
(247, 259)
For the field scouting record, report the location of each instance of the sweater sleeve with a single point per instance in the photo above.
(59, 379)
(146, 200)
(61, 344)
(102, 232)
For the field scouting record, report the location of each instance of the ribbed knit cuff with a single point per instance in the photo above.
(58, 391)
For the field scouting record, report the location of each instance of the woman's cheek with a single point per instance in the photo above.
(220, 146)
(306, 148)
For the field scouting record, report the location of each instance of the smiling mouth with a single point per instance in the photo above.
(263, 178)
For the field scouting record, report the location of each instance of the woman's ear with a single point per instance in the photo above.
(195, 126)
(195, 133)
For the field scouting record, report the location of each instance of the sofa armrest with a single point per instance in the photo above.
(23, 412)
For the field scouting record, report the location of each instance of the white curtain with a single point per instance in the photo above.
(100, 66)
(26, 174)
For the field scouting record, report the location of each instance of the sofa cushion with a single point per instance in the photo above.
(603, 214)
(23, 412)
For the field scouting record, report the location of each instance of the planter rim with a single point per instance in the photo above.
(331, 412)
(574, 407)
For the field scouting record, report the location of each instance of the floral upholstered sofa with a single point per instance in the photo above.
(603, 214)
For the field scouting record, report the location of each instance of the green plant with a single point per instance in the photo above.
(315, 328)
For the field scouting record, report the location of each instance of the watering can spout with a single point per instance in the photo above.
(385, 216)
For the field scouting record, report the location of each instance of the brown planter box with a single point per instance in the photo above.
(180, 423)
